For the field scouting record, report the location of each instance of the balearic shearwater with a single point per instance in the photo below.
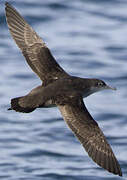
(62, 90)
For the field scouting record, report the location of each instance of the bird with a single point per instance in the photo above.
(62, 90)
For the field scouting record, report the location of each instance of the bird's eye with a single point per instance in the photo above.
(100, 84)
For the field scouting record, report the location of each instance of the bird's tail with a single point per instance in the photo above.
(19, 104)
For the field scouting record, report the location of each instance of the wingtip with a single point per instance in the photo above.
(6, 3)
(120, 173)
(9, 109)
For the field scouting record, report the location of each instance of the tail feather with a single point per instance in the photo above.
(17, 107)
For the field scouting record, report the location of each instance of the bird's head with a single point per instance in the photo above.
(98, 85)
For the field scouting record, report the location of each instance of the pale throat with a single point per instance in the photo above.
(91, 91)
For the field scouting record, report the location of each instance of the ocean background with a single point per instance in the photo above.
(89, 39)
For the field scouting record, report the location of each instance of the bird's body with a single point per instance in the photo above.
(46, 96)
(62, 90)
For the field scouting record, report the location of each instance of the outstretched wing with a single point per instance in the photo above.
(37, 54)
(89, 134)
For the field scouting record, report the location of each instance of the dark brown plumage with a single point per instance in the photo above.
(62, 90)
(89, 134)
(37, 54)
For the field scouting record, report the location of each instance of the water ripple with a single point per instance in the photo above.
(88, 38)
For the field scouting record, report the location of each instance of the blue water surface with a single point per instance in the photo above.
(89, 39)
